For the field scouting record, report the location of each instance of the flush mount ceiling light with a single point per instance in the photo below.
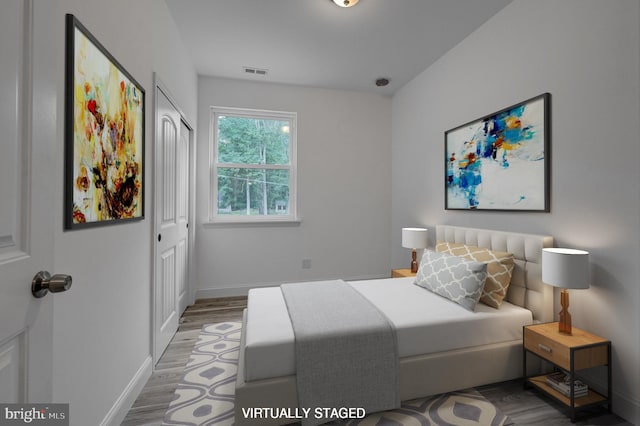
(346, 3)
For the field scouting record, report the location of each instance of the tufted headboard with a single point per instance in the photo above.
(526, 289)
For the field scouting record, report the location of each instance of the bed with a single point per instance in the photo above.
(441, 354)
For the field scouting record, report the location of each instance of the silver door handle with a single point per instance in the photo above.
(43, 283)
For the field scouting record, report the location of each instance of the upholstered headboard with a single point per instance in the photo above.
(526, 289)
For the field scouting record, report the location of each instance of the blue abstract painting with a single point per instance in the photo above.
(499, 162)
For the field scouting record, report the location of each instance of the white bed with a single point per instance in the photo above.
(441, 348)
(424, 323)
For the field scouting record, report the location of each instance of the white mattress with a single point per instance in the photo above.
(425, 323)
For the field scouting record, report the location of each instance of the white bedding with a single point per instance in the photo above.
(425, 323)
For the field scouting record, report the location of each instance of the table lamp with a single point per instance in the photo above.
(414, 238)
(565, 268)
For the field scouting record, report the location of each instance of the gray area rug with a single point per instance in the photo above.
(205, 394)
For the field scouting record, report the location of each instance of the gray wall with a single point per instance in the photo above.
(102, 348)
(344, 179)
(586, 54)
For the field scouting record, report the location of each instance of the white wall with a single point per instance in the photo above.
(586, 54)
(344, 177)
(102, 324)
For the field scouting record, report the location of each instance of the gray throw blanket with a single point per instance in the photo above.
(346, 350)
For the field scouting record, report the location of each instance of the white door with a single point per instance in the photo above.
(26, 195)
(172, 213)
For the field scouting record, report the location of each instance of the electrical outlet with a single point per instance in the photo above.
(306, 263)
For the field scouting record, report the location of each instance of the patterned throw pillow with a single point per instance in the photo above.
(499, 269)
(458, 279)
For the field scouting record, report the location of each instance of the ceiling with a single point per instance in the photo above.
(316, 43)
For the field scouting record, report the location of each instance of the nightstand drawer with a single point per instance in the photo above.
(545, 341)
(546, 348)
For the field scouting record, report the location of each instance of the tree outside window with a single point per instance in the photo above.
(253, 167)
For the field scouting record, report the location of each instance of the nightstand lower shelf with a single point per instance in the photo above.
(592, 398)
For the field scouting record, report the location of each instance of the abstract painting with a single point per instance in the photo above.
(104, 135)
(500, 161)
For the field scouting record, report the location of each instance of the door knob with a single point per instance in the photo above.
(43, 283)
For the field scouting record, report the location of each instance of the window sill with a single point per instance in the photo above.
(254, 223)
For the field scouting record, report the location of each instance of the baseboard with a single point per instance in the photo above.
(243, 289)
(123, 404)
(212, 293)
(626, 407)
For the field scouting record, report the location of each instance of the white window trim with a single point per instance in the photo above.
(214, 217)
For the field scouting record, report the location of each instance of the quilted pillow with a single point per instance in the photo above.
(458, 279)
(499, 269)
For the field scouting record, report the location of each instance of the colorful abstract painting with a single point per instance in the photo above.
(104, 135)
(500, 162)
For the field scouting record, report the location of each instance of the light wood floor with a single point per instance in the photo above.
(154, 399)
(524, 407)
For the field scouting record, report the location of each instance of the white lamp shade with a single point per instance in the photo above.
(414, 238)
(566, 268)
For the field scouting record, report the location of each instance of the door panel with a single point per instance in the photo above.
(181, 269)
(168, 140)
(12, 123)
(168, 283)
(12, 376)
(182, 238)
(172, 242)
(26, 228)
(183, 174)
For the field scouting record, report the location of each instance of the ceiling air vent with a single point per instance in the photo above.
(255, 71)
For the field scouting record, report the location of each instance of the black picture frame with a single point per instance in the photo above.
(501, 162)
(104, 135)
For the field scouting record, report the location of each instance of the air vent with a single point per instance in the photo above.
(255, 71)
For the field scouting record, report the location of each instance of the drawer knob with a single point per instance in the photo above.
(544, 347)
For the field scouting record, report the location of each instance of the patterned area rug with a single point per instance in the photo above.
(205, 395)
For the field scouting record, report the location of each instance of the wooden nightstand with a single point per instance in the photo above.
(571, 353)
(399, 273)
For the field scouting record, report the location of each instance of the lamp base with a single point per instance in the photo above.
(564, 317)
(414, 262)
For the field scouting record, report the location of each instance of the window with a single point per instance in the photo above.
(253, 165)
